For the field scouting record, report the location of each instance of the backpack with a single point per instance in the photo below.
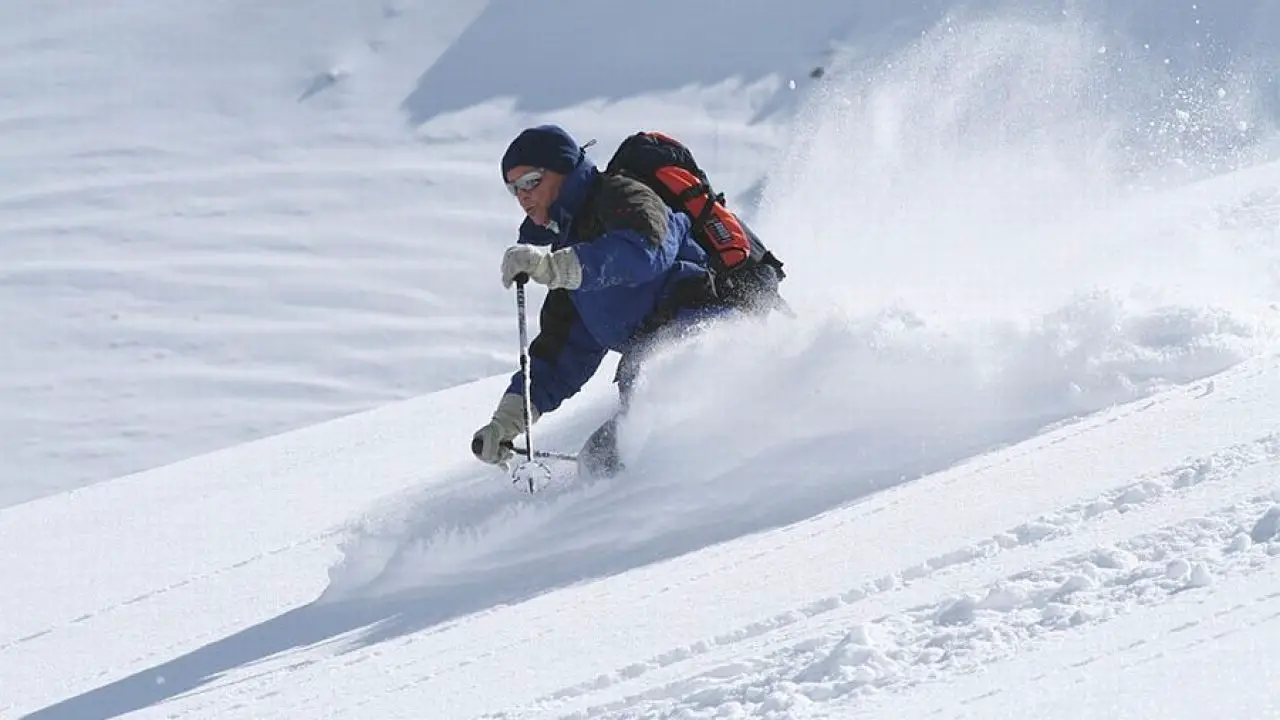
(745, 272)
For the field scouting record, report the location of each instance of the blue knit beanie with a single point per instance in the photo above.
(544, 146)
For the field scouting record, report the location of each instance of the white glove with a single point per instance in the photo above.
(489, 442)
(559, 269)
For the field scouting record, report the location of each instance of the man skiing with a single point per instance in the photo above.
(622, 268)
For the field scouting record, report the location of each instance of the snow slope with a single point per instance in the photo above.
(1017, 453)
(1145, 521)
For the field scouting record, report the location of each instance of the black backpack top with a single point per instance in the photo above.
(745, 270)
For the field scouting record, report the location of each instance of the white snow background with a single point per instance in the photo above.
(1015, 456)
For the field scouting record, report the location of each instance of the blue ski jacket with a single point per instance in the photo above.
(639, 262)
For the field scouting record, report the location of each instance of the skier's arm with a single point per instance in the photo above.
(622, 258)
(639, 237)
(562, 358)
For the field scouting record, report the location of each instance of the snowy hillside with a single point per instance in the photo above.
(1018, 455)
(1121, 545)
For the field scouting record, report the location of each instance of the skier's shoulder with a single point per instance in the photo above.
(622, 203)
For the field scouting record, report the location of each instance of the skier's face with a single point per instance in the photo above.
(536, 189)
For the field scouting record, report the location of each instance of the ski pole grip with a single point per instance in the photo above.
(512, 447)
(477, 445)
(522, 278)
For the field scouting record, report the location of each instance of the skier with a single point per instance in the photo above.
(623, 272)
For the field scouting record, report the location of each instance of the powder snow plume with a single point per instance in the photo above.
(981, 243)
(992, 170)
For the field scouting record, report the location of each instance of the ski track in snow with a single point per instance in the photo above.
(821, 653)
(196, 579)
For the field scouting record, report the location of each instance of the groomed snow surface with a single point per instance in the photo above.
(1016, 455)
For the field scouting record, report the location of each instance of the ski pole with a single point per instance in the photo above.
(521, 279)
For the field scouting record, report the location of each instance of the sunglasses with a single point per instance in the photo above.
(526, 182)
